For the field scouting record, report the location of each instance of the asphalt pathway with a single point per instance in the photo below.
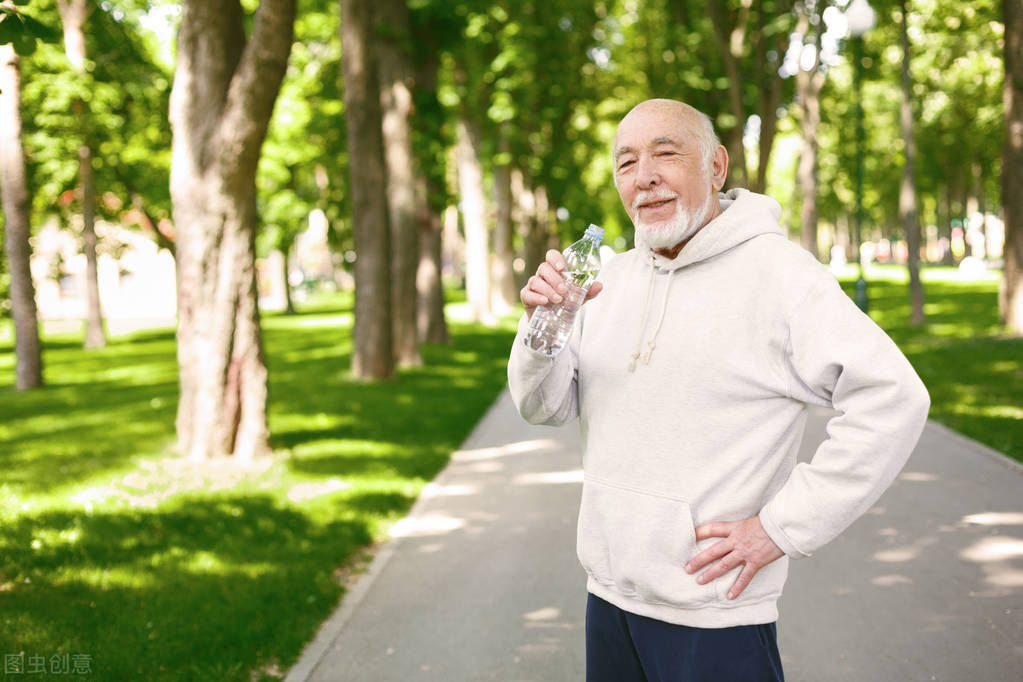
(481, 581)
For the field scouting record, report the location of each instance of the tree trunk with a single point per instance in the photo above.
(539, 232)
(289, 303)
(1011, 290)
(809, 85)
(431, 324)
(373, 356)
(470, 183)
(504, 294)
(731, 40)
(907, 195)
(14, 198)
(223, 96)
(394, 72)
(94, 334)
(73, 14)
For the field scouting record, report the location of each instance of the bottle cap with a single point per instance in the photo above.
(595, 232)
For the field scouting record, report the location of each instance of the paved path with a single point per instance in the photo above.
(481, 581)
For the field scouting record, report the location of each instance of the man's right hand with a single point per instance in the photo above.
(548, 285)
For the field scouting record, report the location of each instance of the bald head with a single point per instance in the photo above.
(691, 125)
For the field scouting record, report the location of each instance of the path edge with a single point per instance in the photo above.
(975, 445)
(316, 650)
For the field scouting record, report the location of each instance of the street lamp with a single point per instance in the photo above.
(860, 17)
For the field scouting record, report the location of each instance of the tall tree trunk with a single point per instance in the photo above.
(731, 41)
(373, 357)
(223, 96)
(1011, 290)
(477, 253)
(394, 72)
(504, 294)
(14, 198)
(539, 232)
(907, 195)
(73, 14)
(809, 85)
(431, 324)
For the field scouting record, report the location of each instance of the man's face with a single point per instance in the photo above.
(661, 176)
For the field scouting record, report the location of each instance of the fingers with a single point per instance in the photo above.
(547, 285)
(743, 581)
(712, 553)
(595, 289)
(722, 529)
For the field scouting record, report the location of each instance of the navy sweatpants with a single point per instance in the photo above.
(624, 647)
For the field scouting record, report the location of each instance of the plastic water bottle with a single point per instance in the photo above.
(551, 324)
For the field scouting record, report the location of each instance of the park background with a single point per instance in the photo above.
(262, 262)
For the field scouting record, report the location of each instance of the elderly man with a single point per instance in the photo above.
(693, 502)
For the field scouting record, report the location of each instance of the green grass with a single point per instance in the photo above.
(972, 368)
(160, 569)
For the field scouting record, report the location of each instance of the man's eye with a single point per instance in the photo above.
(665, 153)
(624, 164)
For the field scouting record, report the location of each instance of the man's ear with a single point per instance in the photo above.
(719, 168)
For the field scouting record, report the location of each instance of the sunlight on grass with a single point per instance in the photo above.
(167, 569)
(972, 369)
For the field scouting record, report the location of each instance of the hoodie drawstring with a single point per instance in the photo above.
(646, 310)
(651, 344)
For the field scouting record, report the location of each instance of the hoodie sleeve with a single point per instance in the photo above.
(544, 389)
(837, 356)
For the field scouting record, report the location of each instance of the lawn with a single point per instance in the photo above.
(122, 559)
(972, 368)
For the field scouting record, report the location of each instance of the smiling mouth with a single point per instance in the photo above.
(657, 204)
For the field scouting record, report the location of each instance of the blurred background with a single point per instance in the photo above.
(261, 261)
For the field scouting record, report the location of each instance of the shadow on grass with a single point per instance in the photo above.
(212, 585)
(209, 588)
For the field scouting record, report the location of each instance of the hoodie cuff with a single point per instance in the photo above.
(775, 532)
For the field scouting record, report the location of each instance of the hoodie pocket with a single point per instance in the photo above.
(637, 544)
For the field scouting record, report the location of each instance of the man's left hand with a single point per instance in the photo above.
(745, 543)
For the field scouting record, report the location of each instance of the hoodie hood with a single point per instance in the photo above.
(746, 215)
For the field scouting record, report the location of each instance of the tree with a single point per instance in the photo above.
(809, 82)
(73, 14)
(225, 86)
(907, 196)
(1011, 294)
(394, 75)
(373, 356)
(14, 196)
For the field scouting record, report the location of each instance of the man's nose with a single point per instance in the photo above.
(647, 175)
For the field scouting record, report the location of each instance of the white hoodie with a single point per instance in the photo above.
(691, 379)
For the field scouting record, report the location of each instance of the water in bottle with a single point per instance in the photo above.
(551, 324)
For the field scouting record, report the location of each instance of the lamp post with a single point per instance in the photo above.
(860, 17)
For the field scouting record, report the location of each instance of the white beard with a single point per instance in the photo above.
(668, 233)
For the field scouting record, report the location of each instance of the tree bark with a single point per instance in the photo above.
(73, 14)
(731, 39)
(14, 198)
(394, 72)
(224, 91)
(373, 356)
(470, 183)
(809, 85)
(504, 294)
(1011, 290)
(908, 210)
(431, 323)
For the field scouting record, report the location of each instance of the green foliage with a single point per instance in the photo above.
(22, 30)
(162, 569)
(118, 107)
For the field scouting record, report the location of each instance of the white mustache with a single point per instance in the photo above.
(649, 197)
